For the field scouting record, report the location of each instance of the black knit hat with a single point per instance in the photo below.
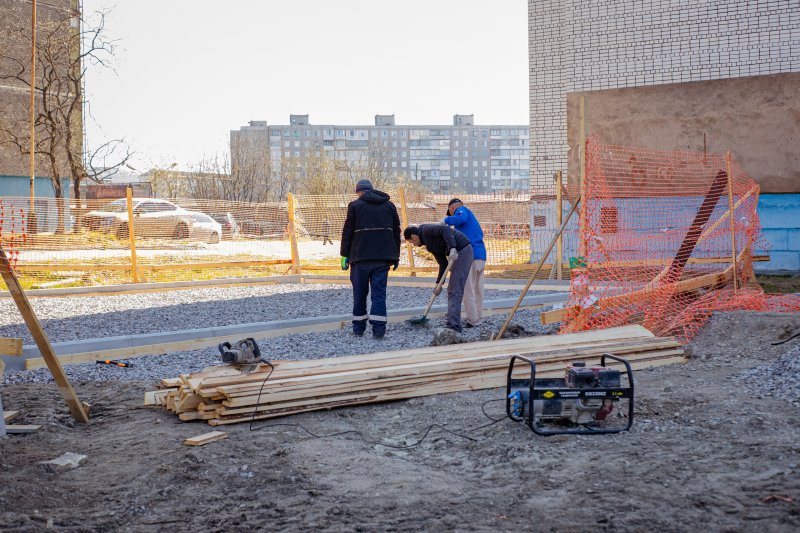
(454, 201)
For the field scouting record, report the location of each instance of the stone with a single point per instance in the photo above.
(445, 337)
(68, 461)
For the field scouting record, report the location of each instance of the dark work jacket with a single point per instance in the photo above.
(439, 239)
(372, 229)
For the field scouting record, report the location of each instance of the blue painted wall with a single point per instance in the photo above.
(780, 222)
(15, 191)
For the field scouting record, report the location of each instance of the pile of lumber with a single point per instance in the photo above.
(226, 395)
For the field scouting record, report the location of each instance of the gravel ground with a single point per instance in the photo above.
(75, 318)
(399, 336)
(778, 379)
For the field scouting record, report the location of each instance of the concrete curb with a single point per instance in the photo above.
(165, 342)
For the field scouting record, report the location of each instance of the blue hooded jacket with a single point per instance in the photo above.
(464, 221)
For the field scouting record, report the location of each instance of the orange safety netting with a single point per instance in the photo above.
(13, 232)
(656, 242)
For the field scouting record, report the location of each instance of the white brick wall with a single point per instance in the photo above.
(578, 45)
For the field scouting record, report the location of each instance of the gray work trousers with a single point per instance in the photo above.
(459, 273)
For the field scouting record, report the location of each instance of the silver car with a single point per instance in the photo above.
(151, 218)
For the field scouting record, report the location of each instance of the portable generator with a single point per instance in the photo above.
(578, 403)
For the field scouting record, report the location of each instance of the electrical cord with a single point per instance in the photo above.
(778, 343)
(361, 435)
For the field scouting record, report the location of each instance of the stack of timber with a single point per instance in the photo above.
(226, 395)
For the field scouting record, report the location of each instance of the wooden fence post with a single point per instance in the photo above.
(404, 221)
(132, 237)
(731, 207)
(559, 220)
(293, 235)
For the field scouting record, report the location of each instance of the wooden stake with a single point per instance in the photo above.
(293, 235)
(559, 220)
(536, 270)
(404, 221)
(583, 213)
(39, 336)
(132, 236)
(732, 218)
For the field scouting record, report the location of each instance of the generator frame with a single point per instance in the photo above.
(544, 389)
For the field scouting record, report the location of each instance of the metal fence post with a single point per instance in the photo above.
(559, 220)
(293, 235)
(132, 237)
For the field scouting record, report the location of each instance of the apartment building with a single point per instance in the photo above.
(462, 157)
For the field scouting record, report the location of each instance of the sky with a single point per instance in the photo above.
(186, 72)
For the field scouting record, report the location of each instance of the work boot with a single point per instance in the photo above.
(359, 327)
(378, 332)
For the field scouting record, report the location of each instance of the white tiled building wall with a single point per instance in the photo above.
(578, 45)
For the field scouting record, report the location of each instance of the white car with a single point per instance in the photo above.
(151, 218)
(205, 228)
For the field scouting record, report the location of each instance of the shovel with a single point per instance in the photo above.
(422, 320)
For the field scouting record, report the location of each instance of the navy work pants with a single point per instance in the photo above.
(369, 276)
(455, 287)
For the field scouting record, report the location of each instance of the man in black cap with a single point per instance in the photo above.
(370, 243)
(446, 244)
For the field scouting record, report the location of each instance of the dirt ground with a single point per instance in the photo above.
(706, 450)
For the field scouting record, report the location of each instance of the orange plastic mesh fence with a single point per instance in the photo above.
(504, 217)
(656, 242)
(88, 242)
(13, 233)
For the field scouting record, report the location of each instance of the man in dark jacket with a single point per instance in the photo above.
(370, 243)
(445, 244)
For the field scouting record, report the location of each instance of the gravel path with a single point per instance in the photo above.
(75, 318)
(399, 336)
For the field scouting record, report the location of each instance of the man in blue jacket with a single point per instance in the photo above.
(370, 244)
(464, 221)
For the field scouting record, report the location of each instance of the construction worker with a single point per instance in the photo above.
(446, 244)
(370, 244)
(462, 219)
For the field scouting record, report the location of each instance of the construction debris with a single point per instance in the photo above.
(225, 395)
(21, 429)
(67, 461)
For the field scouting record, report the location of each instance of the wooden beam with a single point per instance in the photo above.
(39, 336)
(13, 429)
(8, 416)
(10, 346)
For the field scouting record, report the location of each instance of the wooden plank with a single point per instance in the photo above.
(10, 346)
(205, 438)
(456, 386)
(8, 416)
(13, 429)
(39, 336)
(496, 372)
(155, 397)
(85, 267)
(315, 379)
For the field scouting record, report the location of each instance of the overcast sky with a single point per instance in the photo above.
(188, 71)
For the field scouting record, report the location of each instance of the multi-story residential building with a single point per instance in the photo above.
(462, 157)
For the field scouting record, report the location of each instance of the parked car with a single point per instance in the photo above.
(261, 228)
(205, 228)
(152, 218)
(230, 227)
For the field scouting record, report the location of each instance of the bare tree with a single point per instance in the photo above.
(66, 46)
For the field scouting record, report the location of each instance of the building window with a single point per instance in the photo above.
(539, 221)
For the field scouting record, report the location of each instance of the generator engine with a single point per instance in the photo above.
(581, 400)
